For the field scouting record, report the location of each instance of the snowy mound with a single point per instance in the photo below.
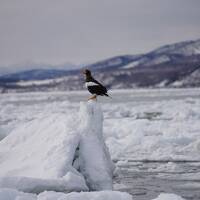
(48, 154)
(39, 155)
(10, 194)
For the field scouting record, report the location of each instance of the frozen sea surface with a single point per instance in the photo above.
(153, 135)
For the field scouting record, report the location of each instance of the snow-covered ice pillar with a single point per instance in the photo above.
(95, 161)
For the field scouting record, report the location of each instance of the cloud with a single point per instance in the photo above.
(75, 31)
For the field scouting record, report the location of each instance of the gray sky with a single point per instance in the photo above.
(80, 31)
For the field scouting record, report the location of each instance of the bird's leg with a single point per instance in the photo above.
(94, 97)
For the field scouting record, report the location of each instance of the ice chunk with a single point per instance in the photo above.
(103, 195)
(166, 196)
(95, 164)
(10, 194)
(39, 155)
(42, 154)
(71, 182)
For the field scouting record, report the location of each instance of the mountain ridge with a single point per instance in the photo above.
(163, 66)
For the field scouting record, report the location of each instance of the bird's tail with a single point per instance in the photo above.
(107, 95)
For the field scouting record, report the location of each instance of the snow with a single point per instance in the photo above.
(131, 65)
(158, 60)
(165, 130)
(114, 62)
(177, 83)
(42, 133)
(70, 182)
(36, 82)
(98, 167)
(185, 48)
(85, 196)
(40, 155)
(41, 152)
(162, 83)
(192, 78)
(147, 61)
(138, 124)
(164, 196)
(11, 194)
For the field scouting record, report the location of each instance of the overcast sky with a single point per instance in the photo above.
(81, 31)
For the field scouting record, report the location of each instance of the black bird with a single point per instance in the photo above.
(93, 86)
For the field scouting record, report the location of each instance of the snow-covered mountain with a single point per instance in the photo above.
(167, 53)
(187, 48)
(174, 65)
(34, 66)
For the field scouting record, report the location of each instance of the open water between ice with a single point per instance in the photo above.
(146, 180)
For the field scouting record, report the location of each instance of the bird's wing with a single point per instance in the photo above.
(103, 87)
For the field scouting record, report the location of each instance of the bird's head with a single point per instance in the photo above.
(87, 72)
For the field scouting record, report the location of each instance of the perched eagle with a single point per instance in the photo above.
(93, 86)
